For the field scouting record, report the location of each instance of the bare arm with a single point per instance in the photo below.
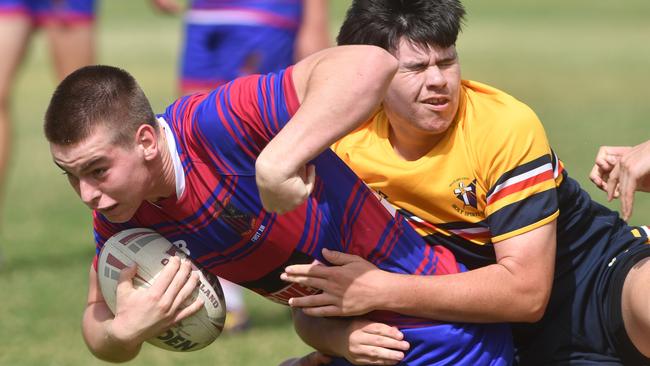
(338, 88)
(313, 34)
(96, 325)
(140, 314)
(520, 281)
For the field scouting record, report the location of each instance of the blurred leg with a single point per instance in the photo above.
(237, 316)
(14, 36)
(72, 46)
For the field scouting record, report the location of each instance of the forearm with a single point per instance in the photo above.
(96, 328)
(479, 296)
(323, 334)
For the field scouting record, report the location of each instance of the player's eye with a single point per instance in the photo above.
(99, 172)
(71, 178)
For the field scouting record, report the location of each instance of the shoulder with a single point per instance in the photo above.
(493, 102)
(492, 115)
(363, 137)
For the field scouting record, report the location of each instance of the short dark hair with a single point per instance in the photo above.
(97, 95)
(383, 23)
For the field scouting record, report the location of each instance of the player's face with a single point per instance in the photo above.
(422, 100)
(109, 178)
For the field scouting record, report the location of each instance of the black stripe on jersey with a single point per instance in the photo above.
(523, 213)
(460, 225)
(544, 159)
(409, 216)
(271, 281)
(554, 161)
(470, 254)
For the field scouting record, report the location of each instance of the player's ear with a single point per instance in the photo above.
(147, 141)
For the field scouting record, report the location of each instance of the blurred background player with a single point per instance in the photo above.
(226, 39)
(69, 27)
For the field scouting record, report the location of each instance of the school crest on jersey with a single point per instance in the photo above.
(464, 189)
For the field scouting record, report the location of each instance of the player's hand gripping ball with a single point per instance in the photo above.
(151, 251)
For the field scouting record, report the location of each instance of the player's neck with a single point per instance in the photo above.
(411, 147)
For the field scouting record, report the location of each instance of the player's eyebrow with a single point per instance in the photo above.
(88, 164)
(415, 64)
(85, 165)
(61, 167)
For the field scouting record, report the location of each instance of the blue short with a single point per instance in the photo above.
(44, 11)
(215, 54)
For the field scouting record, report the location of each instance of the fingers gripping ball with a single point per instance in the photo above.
(151, 251)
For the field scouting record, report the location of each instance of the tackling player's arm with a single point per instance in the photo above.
(358, 340)
(141, 314)
(338, 89)
(515, 289)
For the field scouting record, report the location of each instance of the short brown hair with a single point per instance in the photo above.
(97, 95)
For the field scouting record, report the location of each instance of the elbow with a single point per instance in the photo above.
(107, 354)
(382, 61)
(373, 59)
(108, 357)
(534, 301)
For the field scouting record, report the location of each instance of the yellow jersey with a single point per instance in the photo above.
(492, 175)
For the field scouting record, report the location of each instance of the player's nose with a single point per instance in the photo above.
(89, 193)
(435, 77)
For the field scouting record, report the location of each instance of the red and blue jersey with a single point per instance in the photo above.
(217, 218)
(44, 11)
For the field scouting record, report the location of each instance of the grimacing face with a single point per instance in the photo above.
(423, 98)
(109, 178)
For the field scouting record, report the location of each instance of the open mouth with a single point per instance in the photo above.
(107, 209)
(436, 101)
(437, 104)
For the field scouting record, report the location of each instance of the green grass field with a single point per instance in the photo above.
(582, 65)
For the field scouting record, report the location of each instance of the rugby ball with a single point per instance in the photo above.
(151, 251)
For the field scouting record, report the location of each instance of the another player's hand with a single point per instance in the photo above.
(282, 193)
(143, 313)
(167, 6)
(370, 343)
(606, 160)
(352, 286)
(312, 359)
(630, 174)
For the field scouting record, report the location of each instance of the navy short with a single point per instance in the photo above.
(583, 324)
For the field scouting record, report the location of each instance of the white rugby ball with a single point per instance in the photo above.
(151, 251)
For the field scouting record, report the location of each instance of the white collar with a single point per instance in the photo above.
(176, 160)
